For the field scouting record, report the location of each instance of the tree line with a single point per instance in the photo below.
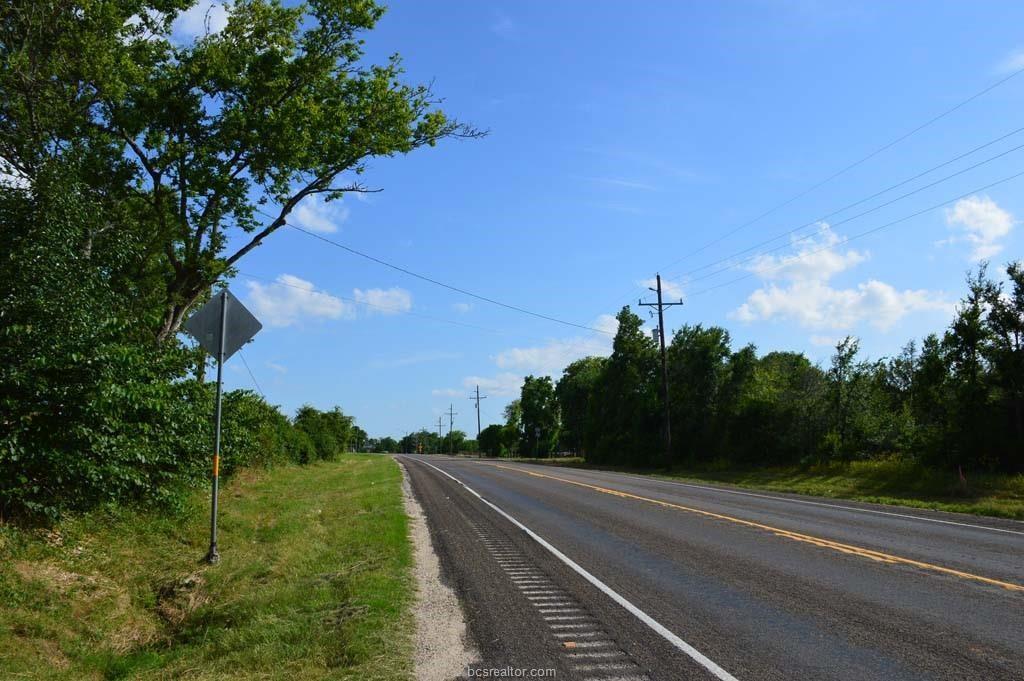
(137, 169)
(954, 401)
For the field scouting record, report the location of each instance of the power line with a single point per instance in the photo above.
(666, 425)
(478, 397)
(431, 280)
(841, 222)
(849, 167)
(252, 376)
(861, 234)
(451, 429)
(868, 198)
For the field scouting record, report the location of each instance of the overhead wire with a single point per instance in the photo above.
(888, 189)
(836, 224)
(851, 166)
(434, 281)
(859, 235)
(252, 375)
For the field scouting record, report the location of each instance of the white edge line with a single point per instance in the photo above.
(660, 629)
(809, 502)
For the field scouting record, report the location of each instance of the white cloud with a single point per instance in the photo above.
(503, 385)
(798, 291)
(317, 215)
(542, 360)
(462, 308)
(290, 299)
(279, 368)
(446, 392)
(549, 359)
(983, 224)
(825, 341)
(1014, 61)
(670, 290)
(816, 260)
(205, 17)
(384, 301)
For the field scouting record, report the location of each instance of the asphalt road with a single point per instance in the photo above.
(602, 575)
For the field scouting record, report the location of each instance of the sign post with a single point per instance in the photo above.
(222, 326)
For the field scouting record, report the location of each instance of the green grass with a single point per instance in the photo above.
(886, 481)
(314, 582)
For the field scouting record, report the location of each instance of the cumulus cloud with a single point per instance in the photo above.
(503, 385)
(670, 290)
(550, 358)
(982, 224)
(798, 290)
(1014, 61)
(205, 17)
(384, 301)
(824, 341)
(818, 259)
(317, 215)
(462, 308)
(541, 360)
(446, 392)
(289, 300)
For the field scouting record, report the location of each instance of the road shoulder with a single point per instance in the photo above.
(443, 650)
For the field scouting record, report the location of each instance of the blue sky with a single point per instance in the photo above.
(624, 137)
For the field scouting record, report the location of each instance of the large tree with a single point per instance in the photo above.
(209, 144)
(539, 432)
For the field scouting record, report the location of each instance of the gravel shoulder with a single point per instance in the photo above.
(443, 650)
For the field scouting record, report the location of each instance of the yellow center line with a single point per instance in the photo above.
(795, 536)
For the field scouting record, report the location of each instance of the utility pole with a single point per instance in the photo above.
(666, 421)
(477, 397)
(440, 424)
(451, 429)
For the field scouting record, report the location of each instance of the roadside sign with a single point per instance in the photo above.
(222, 326)
(239, 324)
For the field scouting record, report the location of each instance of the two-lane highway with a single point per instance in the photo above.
(604, 575)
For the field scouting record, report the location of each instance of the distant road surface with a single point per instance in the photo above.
(601, 576)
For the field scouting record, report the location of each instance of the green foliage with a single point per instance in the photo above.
(143, 159)
(92, 410)
(576, 395)
(192, 139)
(626, 413)
(539, 417)
(490, 440)
(329, 431)
(957, 404)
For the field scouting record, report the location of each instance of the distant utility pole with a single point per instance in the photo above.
(477, 397)
(440, 424)
(451, 429)
(666, 421)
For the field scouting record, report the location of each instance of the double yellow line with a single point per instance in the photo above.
(871, 554)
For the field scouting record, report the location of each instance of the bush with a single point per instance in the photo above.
(92, 410)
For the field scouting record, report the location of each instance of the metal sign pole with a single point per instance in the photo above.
(212, 556)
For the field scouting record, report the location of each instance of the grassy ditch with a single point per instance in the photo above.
(886, 481)
(314, 582)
